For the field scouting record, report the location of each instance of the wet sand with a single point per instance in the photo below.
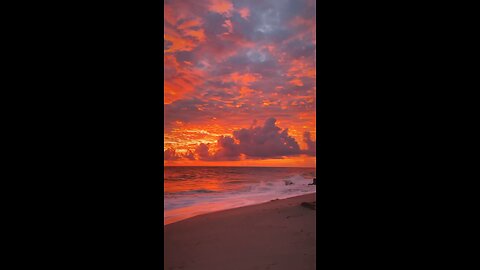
(275, 235)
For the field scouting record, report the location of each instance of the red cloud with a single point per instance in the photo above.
(243, 79)
(179, 78)
(224, 7)
(245, 13)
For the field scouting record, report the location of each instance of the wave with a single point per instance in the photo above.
(194, 202)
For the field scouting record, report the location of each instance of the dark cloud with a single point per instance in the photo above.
(244, 28)
(268, 20)
(170, 154)
(184, 110)
(167, 44)
(228, 150)
(298, 48)
(268, 141)
(202, 152)
(214, 25)
(311, 145)
(185, 56)
(254, 61)
(189, 155)
(191, 110)
(218, 94)
(220, 85)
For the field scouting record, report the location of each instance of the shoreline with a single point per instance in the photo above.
(278, 234)
(227, 209)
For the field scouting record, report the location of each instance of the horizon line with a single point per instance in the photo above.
(248, 166)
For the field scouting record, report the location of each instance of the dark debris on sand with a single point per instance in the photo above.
(310, 205)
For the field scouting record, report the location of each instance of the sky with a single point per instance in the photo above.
(239, 83)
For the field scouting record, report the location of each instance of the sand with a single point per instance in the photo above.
(275, 235)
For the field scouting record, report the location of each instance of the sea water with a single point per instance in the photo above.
(191, 191)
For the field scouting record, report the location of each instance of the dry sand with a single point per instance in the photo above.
(275, 235)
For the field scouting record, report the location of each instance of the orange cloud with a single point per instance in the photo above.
(190, 28)
(301, 161)
(296, 82)
(221, 6)
(182, 29)
(244, 79)
(245, 91)
(302, 68)
(179, 43)
(190, 23)
(179, 78)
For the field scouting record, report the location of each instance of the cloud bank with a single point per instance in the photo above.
(256, 142)
(227, 62)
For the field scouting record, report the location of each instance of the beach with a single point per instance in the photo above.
(280, 234)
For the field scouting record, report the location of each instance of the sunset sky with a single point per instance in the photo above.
(239, 83)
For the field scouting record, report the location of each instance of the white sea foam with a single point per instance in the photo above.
(181, 206)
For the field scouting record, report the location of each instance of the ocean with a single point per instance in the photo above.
(191, 191)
